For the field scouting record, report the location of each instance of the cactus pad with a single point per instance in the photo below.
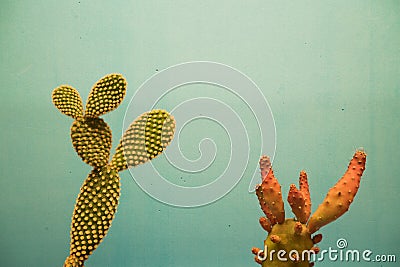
(341, 195)
(264, 207)
(91, 138)
(297, 203)
(304, 188)
(68, 101)
(299, 199)
(271, 191)
(106, 95)
(94, 210)
(145, 139)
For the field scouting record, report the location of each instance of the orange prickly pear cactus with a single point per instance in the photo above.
(145, 139)
(294, 236)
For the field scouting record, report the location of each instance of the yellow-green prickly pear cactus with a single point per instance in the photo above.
(91, 136)
(145, 139)
(289, 242)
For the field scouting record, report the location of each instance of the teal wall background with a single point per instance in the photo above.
(330, 71)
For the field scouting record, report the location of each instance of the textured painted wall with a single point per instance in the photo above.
(329, 70)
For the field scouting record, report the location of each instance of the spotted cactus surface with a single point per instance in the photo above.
(146, 138)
